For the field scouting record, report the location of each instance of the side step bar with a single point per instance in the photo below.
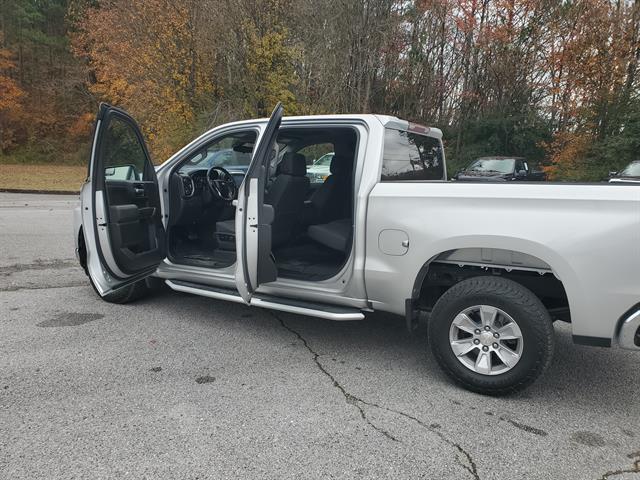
(300, 307)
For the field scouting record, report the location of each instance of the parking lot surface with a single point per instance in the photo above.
(178, 386)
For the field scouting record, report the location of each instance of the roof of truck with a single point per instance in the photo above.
(388, 121)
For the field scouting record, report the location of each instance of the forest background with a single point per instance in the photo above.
(553, 81)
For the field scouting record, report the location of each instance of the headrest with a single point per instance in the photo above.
(293, 164)
(341, 165)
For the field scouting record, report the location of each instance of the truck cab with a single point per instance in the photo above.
(235, 208)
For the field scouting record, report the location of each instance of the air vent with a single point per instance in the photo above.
(188, 187)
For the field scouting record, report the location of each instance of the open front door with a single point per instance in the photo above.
(255, 263)
(121, 213)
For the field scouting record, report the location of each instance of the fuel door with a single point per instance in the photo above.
(393, 242)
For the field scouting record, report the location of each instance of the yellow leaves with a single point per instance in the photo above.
(147, 59)
(271, 68)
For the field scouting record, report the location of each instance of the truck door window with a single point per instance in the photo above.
(410, 156)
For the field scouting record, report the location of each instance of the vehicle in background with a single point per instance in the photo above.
(320, 169)
(629, 174)
(498, 169)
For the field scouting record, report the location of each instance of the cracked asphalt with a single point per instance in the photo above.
(178, 386)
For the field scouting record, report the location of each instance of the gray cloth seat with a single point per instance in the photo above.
(335, 235)
(332, 200)
(226, 227)
(286, 195)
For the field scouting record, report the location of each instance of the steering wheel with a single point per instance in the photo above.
(222, 184)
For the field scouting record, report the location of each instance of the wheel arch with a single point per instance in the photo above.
(524, 267)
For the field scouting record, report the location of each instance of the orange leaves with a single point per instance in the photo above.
(566, 152)
(10, 101)
(10, 93)
(147, 56)
(80, 128)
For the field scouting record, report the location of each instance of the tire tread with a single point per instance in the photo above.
(512, 293)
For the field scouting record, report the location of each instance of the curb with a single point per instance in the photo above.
(48, 192)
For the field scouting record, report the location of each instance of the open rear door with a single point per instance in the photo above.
(255, 263)
(121, 213)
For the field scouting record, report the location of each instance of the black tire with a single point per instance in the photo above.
(127, 294)
(518, 302)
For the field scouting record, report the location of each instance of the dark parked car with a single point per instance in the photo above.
(498, 169)
(629, 174)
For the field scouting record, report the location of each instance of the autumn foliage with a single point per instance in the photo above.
(556, 82)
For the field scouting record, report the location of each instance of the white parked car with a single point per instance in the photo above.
(320, 169)
(629, 174)
(492, 266)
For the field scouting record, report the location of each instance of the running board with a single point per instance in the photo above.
(300, 307)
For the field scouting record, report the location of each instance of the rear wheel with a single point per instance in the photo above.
(491, 335)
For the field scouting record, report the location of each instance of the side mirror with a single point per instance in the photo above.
(612, 174)
(122, 172)
(521, 174)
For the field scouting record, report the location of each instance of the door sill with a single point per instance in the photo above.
(300, 307)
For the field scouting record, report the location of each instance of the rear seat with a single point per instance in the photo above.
(335, 235)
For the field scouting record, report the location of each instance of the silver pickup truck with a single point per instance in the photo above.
(491, 266)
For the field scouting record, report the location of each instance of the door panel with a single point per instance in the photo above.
(255, 263)
(127, 220)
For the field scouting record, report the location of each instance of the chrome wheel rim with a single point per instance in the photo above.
(486, 340)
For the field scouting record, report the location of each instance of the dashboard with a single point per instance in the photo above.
(191, 196)
(194, 181)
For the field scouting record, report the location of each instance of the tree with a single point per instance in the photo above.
(149, 57)
(10, 101)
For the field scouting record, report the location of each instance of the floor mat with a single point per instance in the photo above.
(194, 254)
(308, 261)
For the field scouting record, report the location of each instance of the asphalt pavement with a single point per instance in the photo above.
(178, 386)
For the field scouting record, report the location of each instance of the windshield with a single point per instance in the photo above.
(324, 160)
(631, 170)
(233, 150)
(500, 165)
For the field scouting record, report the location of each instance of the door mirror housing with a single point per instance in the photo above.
(521, 174)
(613, 174)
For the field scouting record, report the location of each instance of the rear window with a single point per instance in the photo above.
(410, 156)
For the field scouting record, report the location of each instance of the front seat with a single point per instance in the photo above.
(286, 195)
(332, 200)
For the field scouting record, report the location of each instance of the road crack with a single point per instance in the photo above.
(634, 469)
(351, 399)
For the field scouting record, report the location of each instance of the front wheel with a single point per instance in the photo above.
(127, 294)
(491, 335)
